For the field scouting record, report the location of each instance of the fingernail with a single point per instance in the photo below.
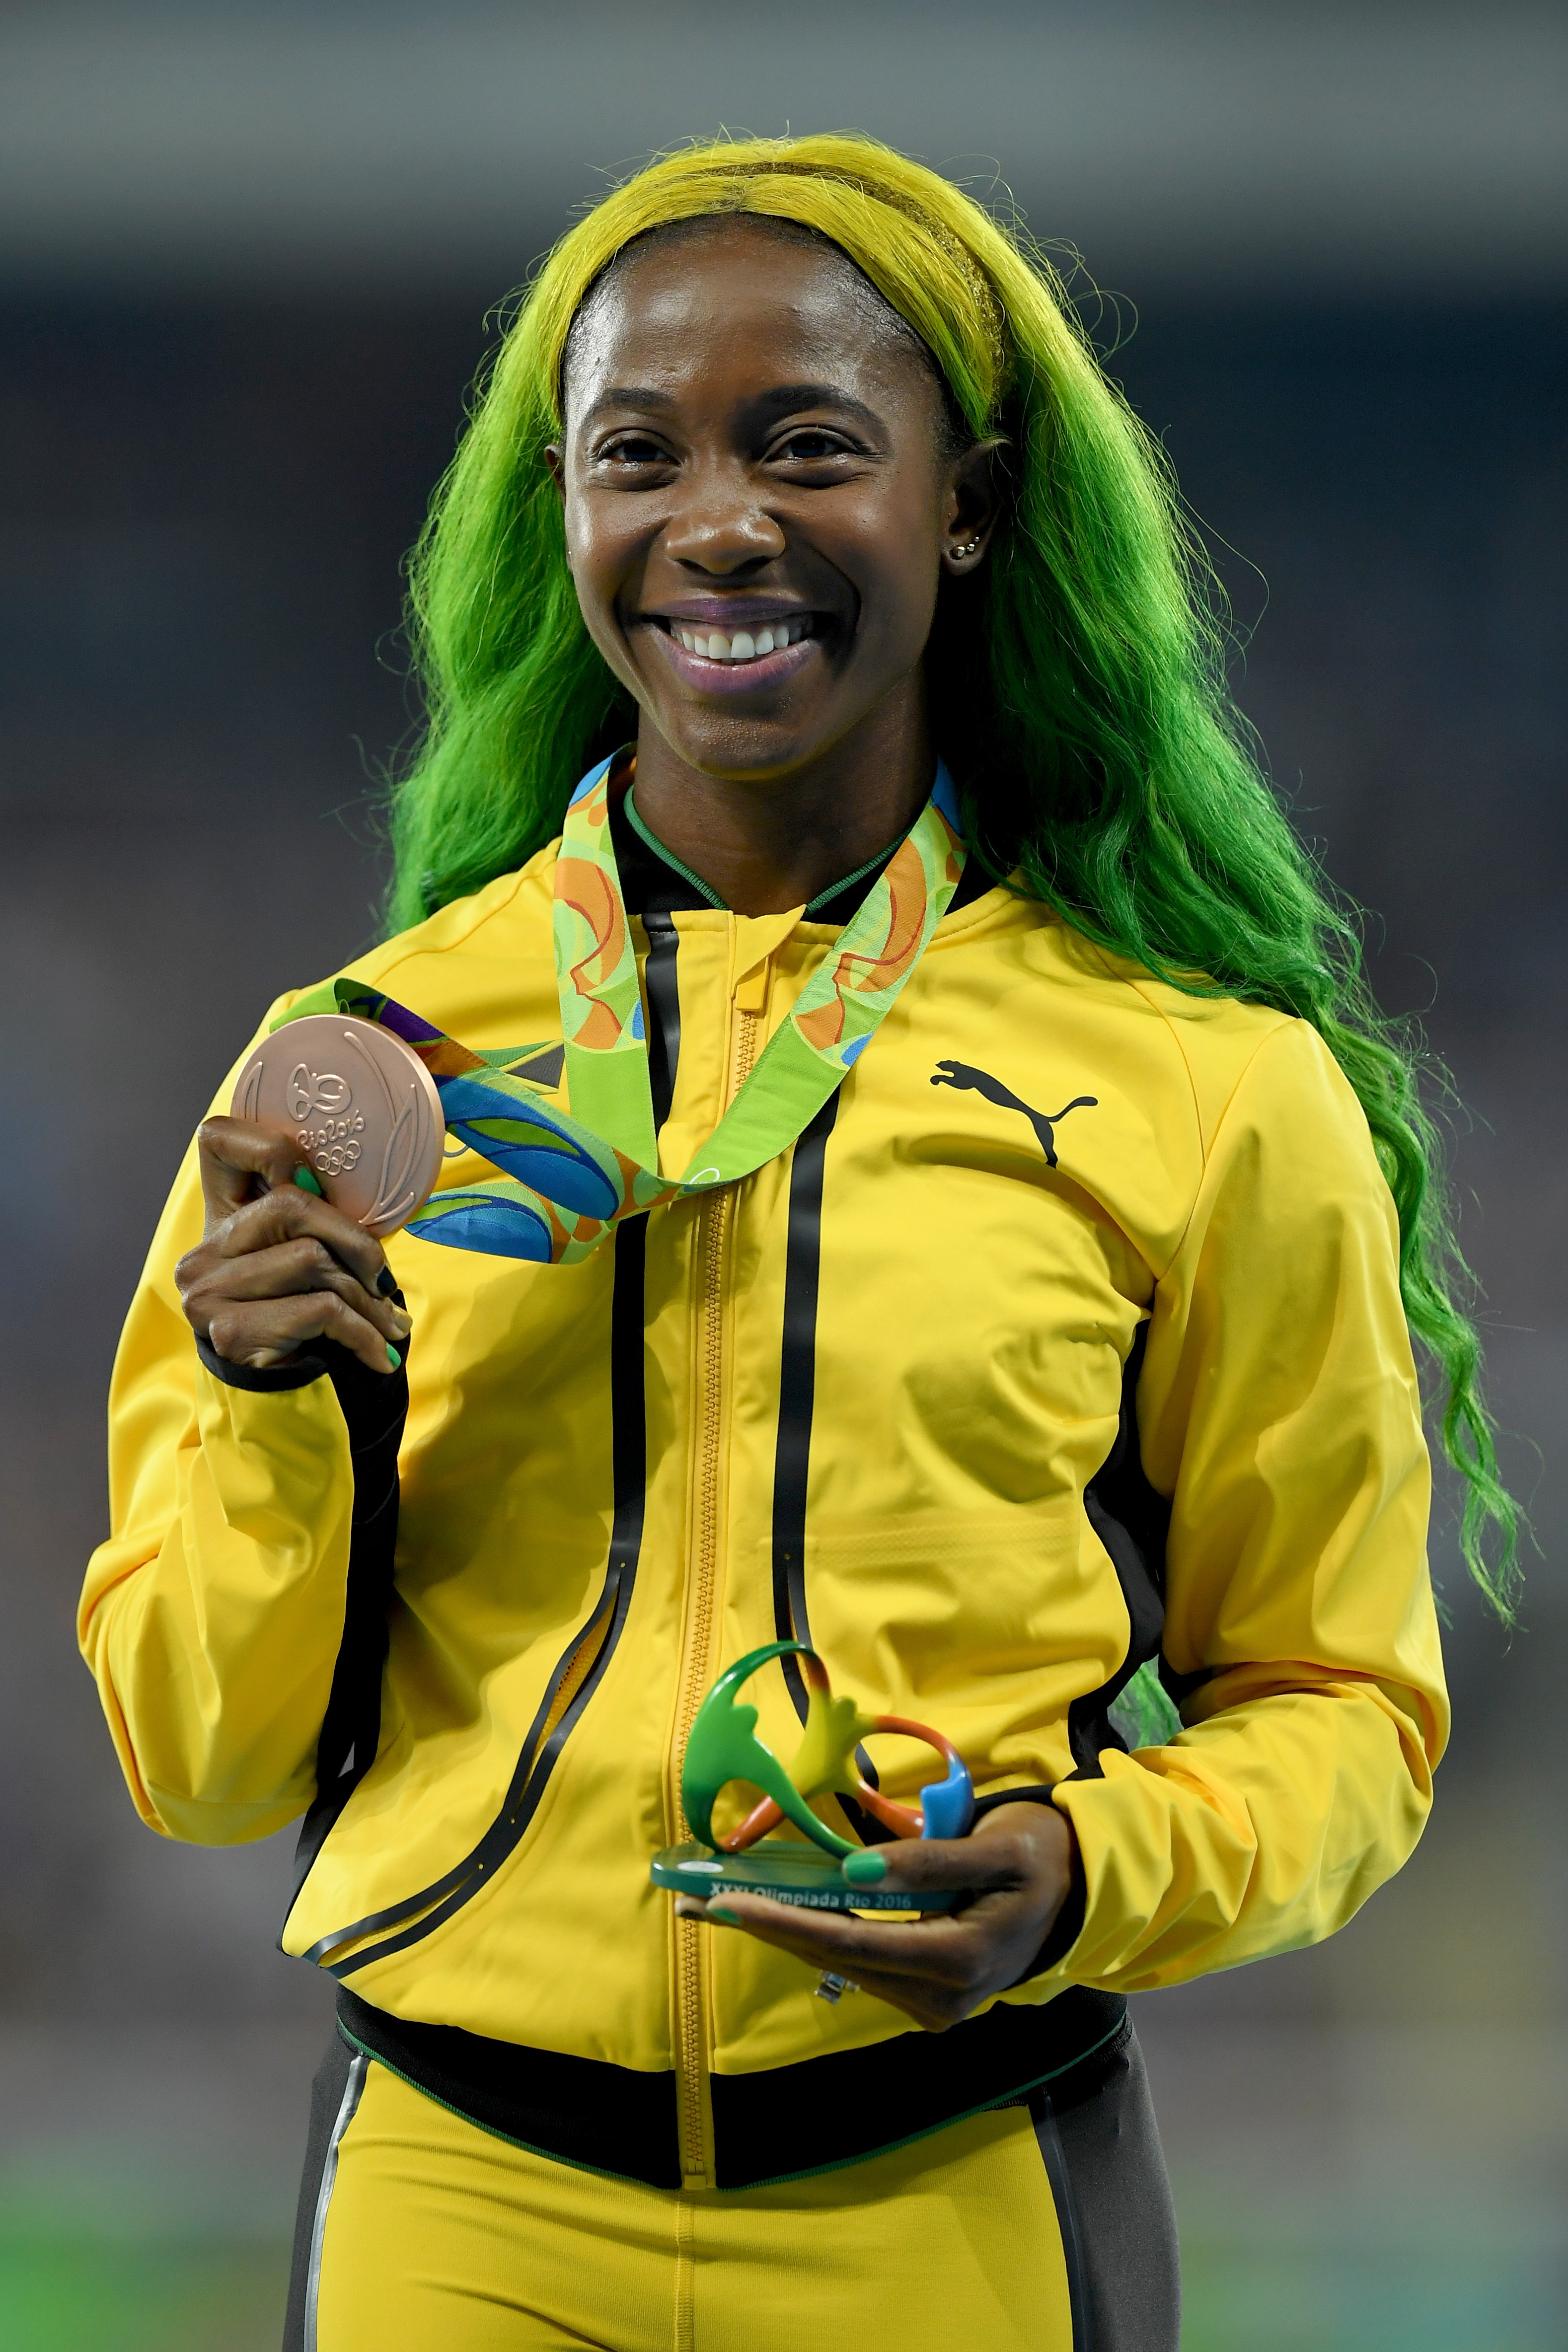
(394, 1358)
(306, 1180)
(386, 1282)
(404, 1321)
(725, 1919)
(864, 1869)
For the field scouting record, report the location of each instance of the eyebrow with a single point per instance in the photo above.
(628, 395)
(788, 396)
(779, 402)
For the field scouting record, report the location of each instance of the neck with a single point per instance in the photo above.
(766, 844)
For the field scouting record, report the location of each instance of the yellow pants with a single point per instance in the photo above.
(438, 2237)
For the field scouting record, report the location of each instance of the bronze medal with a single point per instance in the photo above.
(361, 1106)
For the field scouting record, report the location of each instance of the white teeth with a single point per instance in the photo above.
(744, 645)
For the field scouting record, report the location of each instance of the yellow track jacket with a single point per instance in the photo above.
(1068, 1335)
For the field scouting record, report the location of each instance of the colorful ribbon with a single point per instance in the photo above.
(568, 1181)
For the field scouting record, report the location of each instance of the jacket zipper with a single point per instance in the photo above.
(692, 2052)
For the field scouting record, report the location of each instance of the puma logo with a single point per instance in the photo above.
(960, 1074)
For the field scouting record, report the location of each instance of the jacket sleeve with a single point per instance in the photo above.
(213, 1617)
(1278, 1410)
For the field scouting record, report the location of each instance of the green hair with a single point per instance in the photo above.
(1077, 683)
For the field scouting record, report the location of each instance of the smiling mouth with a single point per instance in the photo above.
(742, 645)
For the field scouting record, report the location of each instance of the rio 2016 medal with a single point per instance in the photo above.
(361, 1106)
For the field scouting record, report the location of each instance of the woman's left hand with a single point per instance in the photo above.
(1019, 1862)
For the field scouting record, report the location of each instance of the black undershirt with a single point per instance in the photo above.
(651, 885)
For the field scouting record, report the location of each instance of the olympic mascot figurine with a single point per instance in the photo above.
(724, 1746)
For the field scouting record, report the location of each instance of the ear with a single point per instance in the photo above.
(971, 508)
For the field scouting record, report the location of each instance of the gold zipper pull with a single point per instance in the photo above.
(752, 991)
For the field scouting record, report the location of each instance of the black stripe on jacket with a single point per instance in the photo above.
(374, 1407)
(416, 1915)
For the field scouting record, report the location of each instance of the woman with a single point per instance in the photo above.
(1058, 1342)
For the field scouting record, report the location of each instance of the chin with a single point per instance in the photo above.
(736, 751)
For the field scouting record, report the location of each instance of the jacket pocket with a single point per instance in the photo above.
(576, 1677)
(985, 1627)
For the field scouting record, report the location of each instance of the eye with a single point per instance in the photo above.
(810, 443)
(634, 449)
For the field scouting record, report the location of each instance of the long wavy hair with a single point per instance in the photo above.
(1077, 683)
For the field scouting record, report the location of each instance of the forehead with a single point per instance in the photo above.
(719, 308)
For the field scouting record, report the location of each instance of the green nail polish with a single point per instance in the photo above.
(864, 1869)
(725, 1919)
(306, 1180)
(394, 1358)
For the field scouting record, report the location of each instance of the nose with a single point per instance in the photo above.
(720, 525)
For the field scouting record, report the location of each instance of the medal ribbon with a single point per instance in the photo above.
(568, 1181)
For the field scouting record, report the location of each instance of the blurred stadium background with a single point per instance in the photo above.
(246, 258)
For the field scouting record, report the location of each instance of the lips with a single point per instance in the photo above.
(727, 660)
(754, 644)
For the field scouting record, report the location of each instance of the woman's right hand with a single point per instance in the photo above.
(279, 1265)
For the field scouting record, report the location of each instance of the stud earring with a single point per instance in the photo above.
(969, 545)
